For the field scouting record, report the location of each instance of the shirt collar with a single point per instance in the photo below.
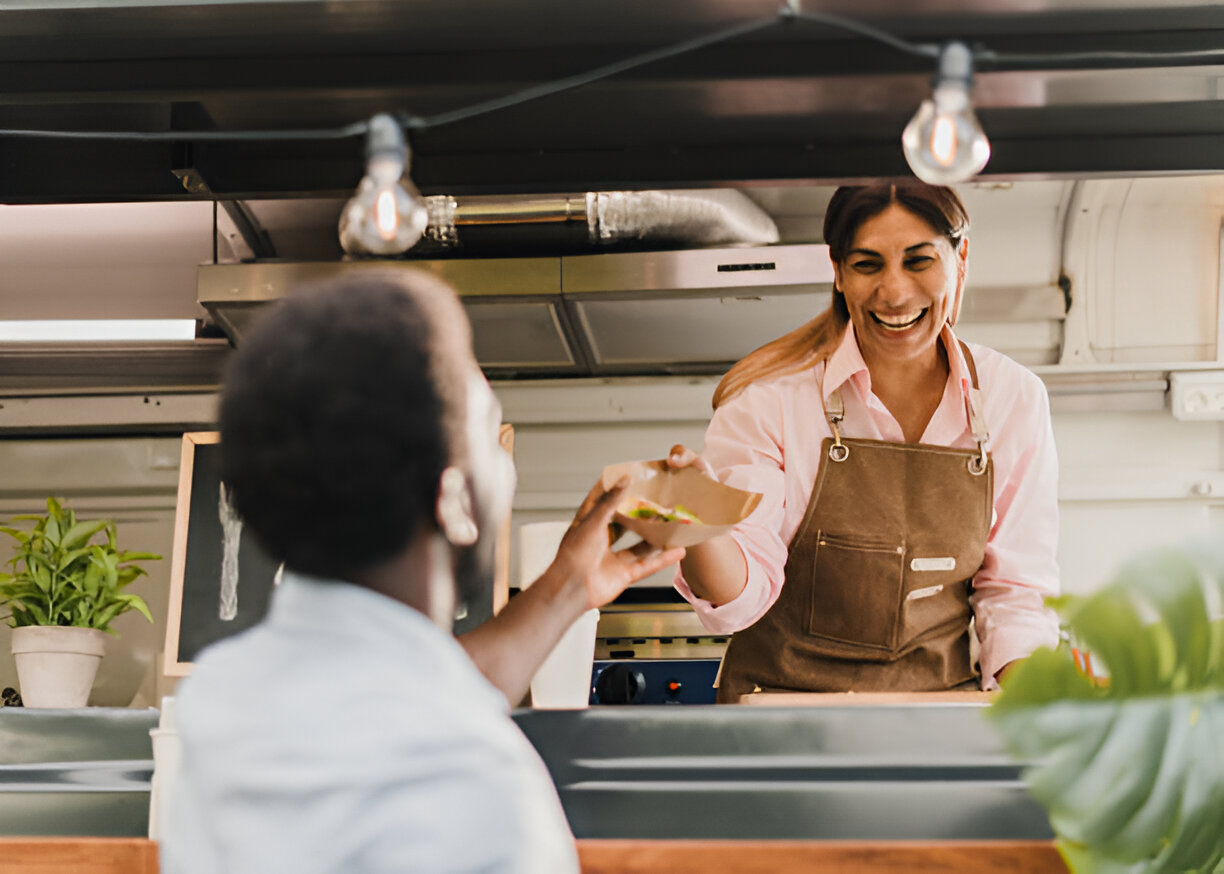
(306, 601)
(846, 363)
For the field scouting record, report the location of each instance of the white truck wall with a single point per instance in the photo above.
(103, 260)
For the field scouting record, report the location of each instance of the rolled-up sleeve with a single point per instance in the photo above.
(744, 444)
(1020, 568)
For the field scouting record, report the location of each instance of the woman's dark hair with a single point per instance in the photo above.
(340, 411)
(850, 206)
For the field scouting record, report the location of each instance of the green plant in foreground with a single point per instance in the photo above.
(1132, 772)
(60, 578)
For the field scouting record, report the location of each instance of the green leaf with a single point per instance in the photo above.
(17, 534)
(110, 575)
(1131, 773)
(35, 613)
(81, 532)
(91, 581)
(69, 557)
(137, 603)
(51, 531)
(103, 618)
(129, 574)
(40, 571)
(138, 556)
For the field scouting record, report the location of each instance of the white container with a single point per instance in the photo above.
(167, 755)
(563, 681)
(56, 665)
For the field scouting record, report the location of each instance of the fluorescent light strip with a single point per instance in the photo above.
(96, 330)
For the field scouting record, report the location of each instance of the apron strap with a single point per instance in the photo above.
(835, 412)
(973, 410)
(969, 362)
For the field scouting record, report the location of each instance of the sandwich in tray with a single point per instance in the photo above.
(676, 507)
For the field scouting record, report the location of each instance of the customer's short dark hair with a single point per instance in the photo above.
(340, 411)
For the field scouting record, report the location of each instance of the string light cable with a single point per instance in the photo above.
(943, 142)
(790, 12)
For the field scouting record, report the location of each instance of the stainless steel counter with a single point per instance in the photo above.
(906, 771)
(933, 771)
(75, 772)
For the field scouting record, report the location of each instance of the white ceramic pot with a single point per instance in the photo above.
(56, 666)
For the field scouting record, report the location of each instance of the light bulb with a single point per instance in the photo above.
(386, 215)
(944, 143)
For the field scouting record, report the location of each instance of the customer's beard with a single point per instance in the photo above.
(475, 569)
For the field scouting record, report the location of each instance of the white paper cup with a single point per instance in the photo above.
(563, 681)
(167, 756)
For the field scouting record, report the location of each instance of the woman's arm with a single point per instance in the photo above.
(1020, 569)
(732, 580)
(715, 569)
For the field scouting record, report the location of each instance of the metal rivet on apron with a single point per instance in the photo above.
(839, 452)
(977, 465)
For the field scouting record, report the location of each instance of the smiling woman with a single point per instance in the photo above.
(909, 478)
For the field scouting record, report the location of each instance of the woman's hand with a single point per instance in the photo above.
(585, 561)
(681, 456)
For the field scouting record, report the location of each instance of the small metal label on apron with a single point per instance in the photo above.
(925, 592)
(944, 563)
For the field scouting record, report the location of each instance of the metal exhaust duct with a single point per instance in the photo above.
(687, 219)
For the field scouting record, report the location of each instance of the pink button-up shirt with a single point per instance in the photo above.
(767, 439)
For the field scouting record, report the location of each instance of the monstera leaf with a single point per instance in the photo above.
(1131, 771)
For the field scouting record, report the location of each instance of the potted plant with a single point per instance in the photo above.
(1131, 768)
(66, 587)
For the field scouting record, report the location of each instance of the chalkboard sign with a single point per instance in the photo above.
(221, 578)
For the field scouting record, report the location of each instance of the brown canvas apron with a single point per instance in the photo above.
(876, 593)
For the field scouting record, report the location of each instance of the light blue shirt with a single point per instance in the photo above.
(347, 733)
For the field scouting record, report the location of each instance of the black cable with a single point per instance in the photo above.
(789, 12)
(924, 50)
(356, 129)
(548, 88)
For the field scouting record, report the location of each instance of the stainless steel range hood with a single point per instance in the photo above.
(690, 311)
(694, 304)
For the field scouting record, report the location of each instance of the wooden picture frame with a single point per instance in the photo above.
(193, 560)
(171, 665)
(201, 540)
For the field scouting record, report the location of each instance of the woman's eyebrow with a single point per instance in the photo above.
(874, 254)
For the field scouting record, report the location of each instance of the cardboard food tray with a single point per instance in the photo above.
(720, 508)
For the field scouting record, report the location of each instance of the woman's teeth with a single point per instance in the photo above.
(899, 321)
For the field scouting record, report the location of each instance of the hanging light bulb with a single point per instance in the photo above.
(386, 215)
(943, 142)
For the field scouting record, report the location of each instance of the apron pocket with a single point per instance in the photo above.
(856, 592)
(933, 608)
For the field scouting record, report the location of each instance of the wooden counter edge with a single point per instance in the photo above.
(864, 699)
(629, 856)
(73, 855)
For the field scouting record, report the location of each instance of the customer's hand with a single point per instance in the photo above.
(586, 561)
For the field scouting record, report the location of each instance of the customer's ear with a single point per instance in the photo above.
(454, 508)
